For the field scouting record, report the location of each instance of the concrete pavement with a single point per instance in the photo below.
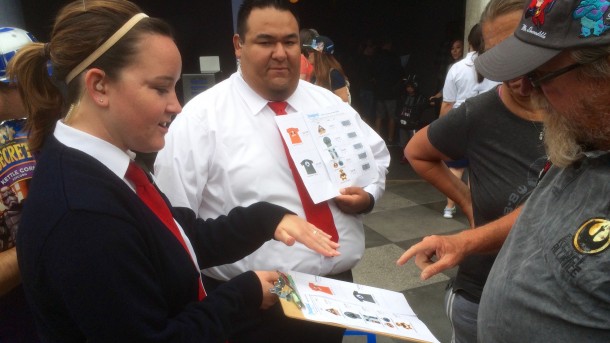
(409, 210)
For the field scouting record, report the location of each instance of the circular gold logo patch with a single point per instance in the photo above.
(593, 236)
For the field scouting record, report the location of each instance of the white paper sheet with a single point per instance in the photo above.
(329, 150)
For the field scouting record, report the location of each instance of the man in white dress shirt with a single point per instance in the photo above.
(225, 150)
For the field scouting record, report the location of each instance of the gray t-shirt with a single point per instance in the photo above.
(551, 279)
(505, 154)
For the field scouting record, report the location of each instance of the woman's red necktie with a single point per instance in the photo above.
(150, 196)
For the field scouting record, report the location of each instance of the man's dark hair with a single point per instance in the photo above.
(248, 5)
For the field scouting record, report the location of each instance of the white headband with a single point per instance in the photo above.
(104, 47)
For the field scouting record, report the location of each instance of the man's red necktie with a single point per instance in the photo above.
(317, 214)
(151, 197)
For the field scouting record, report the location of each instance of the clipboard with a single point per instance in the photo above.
(351, 306)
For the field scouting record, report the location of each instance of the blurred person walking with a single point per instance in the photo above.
(366, 80)
(409, 117)
(388, 74)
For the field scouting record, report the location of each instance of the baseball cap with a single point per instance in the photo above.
(11, 40)
(544, 32)
(321, 44)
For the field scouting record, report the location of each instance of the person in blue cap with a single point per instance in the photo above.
(11, 39)
(327, 71)
(16, 321)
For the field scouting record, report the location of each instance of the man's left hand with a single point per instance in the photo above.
(353, 200)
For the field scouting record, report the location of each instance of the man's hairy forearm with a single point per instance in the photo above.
(490, 237)
(9, 271)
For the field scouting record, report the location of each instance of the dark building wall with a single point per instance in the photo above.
(417, 27)
(201, 27)
(204, 27)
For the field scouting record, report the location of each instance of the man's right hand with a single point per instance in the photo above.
(435, 254)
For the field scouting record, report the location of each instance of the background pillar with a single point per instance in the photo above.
(11, 14)
(474, 8)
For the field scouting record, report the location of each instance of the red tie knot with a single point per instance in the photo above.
(136, 175)
(279, 107)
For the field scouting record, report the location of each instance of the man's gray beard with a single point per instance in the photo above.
(562, 146)
(567, 135)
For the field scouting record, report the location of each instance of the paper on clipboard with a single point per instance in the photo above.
(329, 150)
(354, 306)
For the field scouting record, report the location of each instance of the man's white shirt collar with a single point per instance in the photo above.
(256, 103)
